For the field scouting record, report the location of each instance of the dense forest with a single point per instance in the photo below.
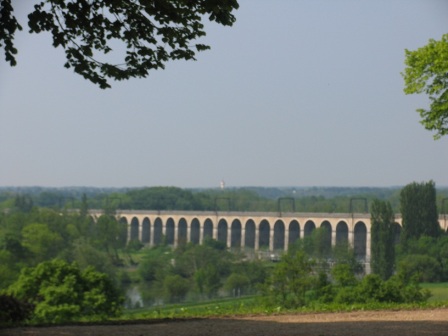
(305, 199)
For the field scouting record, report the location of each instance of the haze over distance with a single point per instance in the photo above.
(296, 93)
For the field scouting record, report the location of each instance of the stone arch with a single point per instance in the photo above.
(360, 241)
(341, 233)
(222, 231)
(208, 229)
(294, 232)
(249, 238)
(182, 232)
(195, 231)
(146, 231)
(169, 233)
(264, 232)
(134, 228)
(235, 236)
(279, 235)
(158, 231)
(309, 228)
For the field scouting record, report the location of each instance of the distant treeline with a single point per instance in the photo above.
(299, 199)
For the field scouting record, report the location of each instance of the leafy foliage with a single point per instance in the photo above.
(152, 33)
(317, 199)
(200, 271)
(289, 282)
(176, 287)
(237, 284)
(343, 275)
(427, 72)
(8, 27)
(424, 267)
(426, 257)
(23, 203)
(110, 234)
(13, 310)
(299, 281)
(161, 198)
(395, 290)
(419, 211)
(155, 263)
(382, 236)
(62, 292)
(41, 241)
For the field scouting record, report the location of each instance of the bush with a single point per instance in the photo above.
(370, 289)
(62, 292)
(343, 275)
(346, 295)
(373, 289)
(176, 287)
(290, 281)
(237, 284)
(425, 267)
(13, 310)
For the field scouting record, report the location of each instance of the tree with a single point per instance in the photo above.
(155, 264)
(13, 311)
(383, 237)
(153, 32)
(85, 255)
(42, 242)
(427, 72)
(8, 269)
(343, 275)
(422, 266)
(419, 211)
(176, 287)
(84, 209)
(237, 284)
(426, 257)
(62, 292)
(110, 234)
(290, 280)
(23, 203)
(321, 239)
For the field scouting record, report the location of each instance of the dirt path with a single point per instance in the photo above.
(379, 323)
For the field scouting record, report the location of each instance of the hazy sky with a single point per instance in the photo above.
(296, 93)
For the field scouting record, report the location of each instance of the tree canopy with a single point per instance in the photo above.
(419, 211)
(62, 292)
(427, 72)
(382, 241)
(153, 32)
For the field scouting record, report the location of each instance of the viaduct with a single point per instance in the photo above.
(258, 231)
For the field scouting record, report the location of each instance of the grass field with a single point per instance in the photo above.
(251, 305)
(439, 291)
(230, 306)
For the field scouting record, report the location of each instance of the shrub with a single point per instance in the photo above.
(370, 289)
(62, 292)
(237, 284)
(13, 310)
(176, 287)
(425, 267)
(346, 295)
(290, 281)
